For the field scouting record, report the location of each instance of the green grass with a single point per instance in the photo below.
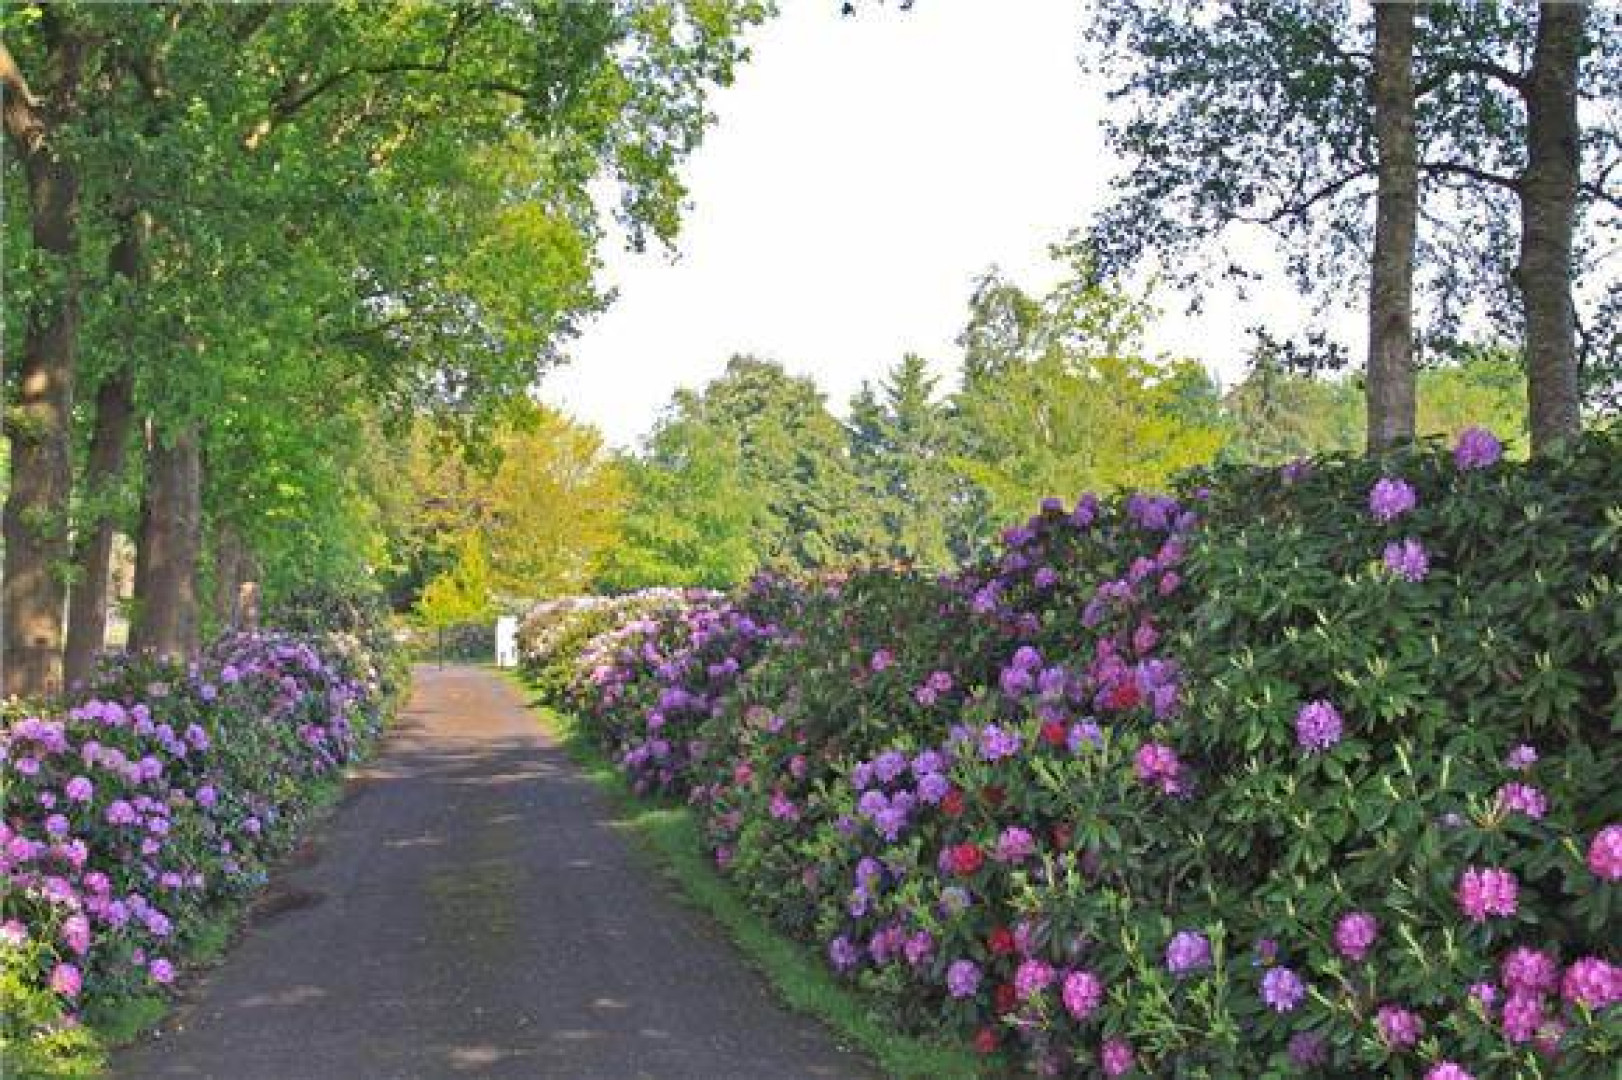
(672, 835)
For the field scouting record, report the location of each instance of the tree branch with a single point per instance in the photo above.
(1298, 207)
(1470, 172)
(293, 99)
(1446, 69)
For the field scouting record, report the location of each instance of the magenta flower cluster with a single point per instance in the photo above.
(134, 811)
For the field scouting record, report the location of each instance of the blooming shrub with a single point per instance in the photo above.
(161, 793)
(553, 633)
(1301, 771)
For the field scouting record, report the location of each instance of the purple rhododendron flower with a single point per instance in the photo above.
(1477, 448)
(1283, 989)
(1399, 1027)
(1407, 560)
(997, 743)
(1318, 726)
(1308, 1049)
(963, 978)
(1355, 934)
(1523, 757)
(1390, 499)
(79, 789)
(1187, 951)
(1488, 892)
(842, 953)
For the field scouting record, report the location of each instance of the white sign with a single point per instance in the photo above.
(507, 641)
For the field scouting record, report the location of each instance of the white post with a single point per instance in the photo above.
(507, 641)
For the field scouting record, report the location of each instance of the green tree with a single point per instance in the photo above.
(396, 202)
(794, 462)
(1088, 412)
(690, 516)
(901, 439)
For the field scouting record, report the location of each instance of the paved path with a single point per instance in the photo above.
(469, 912)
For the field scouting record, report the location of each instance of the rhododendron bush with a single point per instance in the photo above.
(1301, 771)
(162, 792)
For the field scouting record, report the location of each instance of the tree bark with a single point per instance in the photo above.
(104, 471)
(168, 548)
(1390, 378)
(232, 566)
(39, 423)
(1548, 216)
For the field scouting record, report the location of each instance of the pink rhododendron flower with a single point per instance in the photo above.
(1157, 764)
(1522, 1016)
(1485, 893)
(1592, 983)
(1083, 992)
(1529, 971)
(66, 980)
(1605, 854)
(1116, 1057)
(1524, 799)
(1033, 977)
(1447, 1070)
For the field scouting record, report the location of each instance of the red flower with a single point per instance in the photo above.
(1054, 733)
(985, 1040)
(1123, 695)
(965, 859)
(993, 795)
(952, 802)
(1007, 998)
(1002, 941)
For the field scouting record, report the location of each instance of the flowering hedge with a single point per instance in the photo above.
(1301, 771)
(163, 792)
(552, 634)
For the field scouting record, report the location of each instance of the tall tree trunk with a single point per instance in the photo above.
(1548, 217)
(39, 424)
(104, 471)
(169, 544)
(231, 569)
(1390, 379)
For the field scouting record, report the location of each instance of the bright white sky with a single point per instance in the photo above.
(862, 173)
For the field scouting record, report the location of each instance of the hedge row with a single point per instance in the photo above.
(133, 817)
(1301, 771)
